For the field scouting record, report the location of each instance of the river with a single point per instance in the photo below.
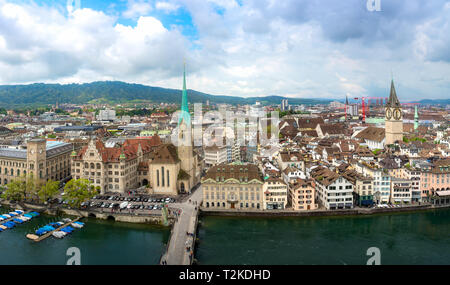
(100, 242)
(402, 238)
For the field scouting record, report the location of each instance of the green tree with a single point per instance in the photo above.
(21, 189)
(15, 191)
(48, 191)
(78, 191)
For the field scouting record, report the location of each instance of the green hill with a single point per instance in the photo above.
(119, 92)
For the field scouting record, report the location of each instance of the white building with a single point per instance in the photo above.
(401, 192)
(106, 115)
(215, 155)
(381, 181)
(275, 194)
(333, 190)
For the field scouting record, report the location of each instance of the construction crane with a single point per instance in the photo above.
(363, 104)
(410, 104)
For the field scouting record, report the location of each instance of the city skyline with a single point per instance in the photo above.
(236, 48)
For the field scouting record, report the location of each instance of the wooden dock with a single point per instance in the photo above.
(36, 238)
(15, 217)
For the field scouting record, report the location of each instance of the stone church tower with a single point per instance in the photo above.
(393, 118)
(185, 142)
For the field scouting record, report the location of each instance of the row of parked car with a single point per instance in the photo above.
(388, 206)
(109, 205)
(135, 199)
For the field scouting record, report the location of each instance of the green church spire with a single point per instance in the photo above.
(416, 118)
(184, 101)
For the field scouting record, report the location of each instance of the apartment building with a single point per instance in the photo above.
(435, 177)
(302, 195)
(333, 190)
(232, 186)
(275, 194)
(401, 191)
(215, 155)
(291, 158)
(381, 180)
(45, 160)
(413, 174)
(363, 187)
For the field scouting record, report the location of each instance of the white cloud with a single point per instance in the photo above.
(167, 6)
(136, 8)
(246, 50)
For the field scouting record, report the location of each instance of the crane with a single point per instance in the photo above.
(363, 104)
(410, 104)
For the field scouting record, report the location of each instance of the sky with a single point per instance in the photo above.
(292, 48)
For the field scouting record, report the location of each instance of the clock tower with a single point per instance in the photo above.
(393, 118)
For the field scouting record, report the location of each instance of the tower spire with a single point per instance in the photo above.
(184, 101)
(393, 100)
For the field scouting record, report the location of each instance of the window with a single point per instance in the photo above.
(168, 179)
(162, 176)
(157, 177)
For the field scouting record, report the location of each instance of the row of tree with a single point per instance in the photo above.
(26, 188)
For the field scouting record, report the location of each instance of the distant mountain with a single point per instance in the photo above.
(120, 92)
(433, 101)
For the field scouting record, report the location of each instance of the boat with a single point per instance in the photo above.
(77, 225)
(18, 221)
(67, 229)
(9, 225)
(59, 234)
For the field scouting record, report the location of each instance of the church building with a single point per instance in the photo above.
(164, 169)
(394, 118)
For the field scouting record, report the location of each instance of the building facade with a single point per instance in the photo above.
(229, 186)
(39, 158)
(302, 195)
(275, 194)
(333, 190)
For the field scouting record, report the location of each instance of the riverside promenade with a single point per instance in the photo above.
(176, 253)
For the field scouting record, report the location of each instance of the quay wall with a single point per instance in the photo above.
(119, 217)
(315, 213)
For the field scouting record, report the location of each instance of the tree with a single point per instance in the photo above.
(78, 191)
(48, 190)
(32, 186)
(15, 191)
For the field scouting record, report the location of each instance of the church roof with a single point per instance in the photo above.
(166, 153)
(393, 100)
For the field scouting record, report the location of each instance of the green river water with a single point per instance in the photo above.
(100, 242)
(407, 238)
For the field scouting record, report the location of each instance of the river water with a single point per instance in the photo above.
(100, 242)
(406, 238)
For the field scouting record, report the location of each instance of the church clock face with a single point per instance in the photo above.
(397, 114)
(388, 114)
